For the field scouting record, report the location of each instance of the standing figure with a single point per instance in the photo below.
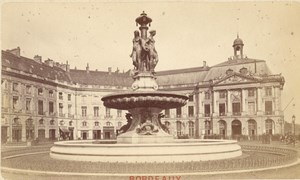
(152, 56)
(136, 51)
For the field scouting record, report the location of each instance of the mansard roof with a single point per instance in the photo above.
(101, 78)
(193, 75)
(30, 66)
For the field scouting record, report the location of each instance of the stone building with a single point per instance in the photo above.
(48, 100)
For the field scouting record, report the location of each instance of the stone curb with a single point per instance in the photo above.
(23, 171)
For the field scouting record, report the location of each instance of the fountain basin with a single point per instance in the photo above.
(178, 151)
(140, 99)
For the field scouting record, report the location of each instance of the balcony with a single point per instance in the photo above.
(269, 113)
(167, 116)
(70, 115)
(61, 115)
(178, 115)
(236, 113)
(222, 114)
(191, 115)
(52, 113)
(108, 117)
(207, 115)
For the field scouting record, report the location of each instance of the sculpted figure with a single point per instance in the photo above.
(136, 51)
(147, 128)
(152, 55)
(124, 128)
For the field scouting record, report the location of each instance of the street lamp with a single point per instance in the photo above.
(293, 118)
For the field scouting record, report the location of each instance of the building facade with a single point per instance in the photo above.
(49, 101)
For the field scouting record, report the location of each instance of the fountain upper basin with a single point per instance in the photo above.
(140, 99)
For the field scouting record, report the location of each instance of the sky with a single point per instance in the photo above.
(187, 33)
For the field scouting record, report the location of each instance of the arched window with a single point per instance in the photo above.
(207, 126)
(252, 125)
(179, 128)
(40, 91)
(269, 126)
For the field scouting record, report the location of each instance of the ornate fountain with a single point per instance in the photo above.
(144, 138)
(144, 103)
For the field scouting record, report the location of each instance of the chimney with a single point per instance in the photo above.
(16, 51)
(117, 71)
(204, 64)
(37, 58)
(109, 70)
(87, 68)
(49, 62)
(67, 67)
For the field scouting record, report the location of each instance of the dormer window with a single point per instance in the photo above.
(51, 93)
(15, 87)
(40, 91)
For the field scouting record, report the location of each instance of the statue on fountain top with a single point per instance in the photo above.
(144, 55)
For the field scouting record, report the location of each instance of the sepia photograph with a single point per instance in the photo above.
(154, 90)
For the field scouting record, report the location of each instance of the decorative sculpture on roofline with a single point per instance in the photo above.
(144, 54)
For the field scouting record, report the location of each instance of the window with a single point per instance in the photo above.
(207, 110)
(69, 97)
(191, 111)
(28, 102)
(40, 107)
(15, 87)
(41, 121)
(268, 107)
(107, 112)
(236, 108)
(222, 109)
(69, 109)
(61, 122)
(60, 95)
(191, 129)
(167, 113)
(96, 111)
(206, 95)
(51, 107)
(251, 92)
(70, 123)
(96, 123)
(251, 108)
(207, 126)
(222, 94)
(109, 124)
(61, 107)
(40, 91)
(178, 112)
(268, 91)
(119, 124)
(51, 94)
(28, 89)
(83, 111)
(52, 122)
(15, 102)
(84, 123)
(191, 98)
(119, 113)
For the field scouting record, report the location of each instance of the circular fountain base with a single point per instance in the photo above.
(178, 151)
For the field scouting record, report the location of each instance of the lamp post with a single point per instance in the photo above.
(294, 129)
